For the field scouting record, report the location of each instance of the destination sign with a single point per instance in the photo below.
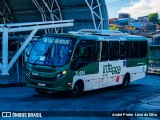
(62, 41)
(57, 40)
(48, 40)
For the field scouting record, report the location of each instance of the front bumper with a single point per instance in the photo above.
(48, 85)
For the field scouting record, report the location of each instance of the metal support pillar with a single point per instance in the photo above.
(16, 56)
(5, 51)
(1, 67)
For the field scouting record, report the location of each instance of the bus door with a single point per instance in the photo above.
(84, 62)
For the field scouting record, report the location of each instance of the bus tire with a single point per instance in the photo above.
(77, 89)
(126, 80)
(41, 91)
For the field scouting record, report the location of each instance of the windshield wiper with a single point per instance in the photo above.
(48, 54)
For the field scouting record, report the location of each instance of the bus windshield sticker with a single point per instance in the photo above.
(42, 58)
(111, 69)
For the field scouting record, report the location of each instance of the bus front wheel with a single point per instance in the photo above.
(77, 89)
(41, 91)
(125, 82)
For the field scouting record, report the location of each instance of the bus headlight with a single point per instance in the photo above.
(61, 74)
(64, 72)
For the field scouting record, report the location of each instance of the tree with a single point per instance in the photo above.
(153, 17)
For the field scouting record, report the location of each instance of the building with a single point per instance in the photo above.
(124, 15)
(112, 20)
(124, 21)
(144, 20)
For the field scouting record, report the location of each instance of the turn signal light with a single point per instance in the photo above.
(70, 84)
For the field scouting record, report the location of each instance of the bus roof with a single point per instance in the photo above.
(104, 35)
(154, 47)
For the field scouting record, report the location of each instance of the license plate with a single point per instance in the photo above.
(41, 84)
(35, 74)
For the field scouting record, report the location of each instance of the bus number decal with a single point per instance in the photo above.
(79, 73)
(111, 69)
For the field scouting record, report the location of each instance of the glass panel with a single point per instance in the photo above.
(104, 53)
(135, 49)
(113, 50)
(124, 50)
(86, 51)
(143, 48)
(52, 51)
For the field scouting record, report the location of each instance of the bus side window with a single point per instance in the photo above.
(85, 53)
(124, 50)
(114, 50)
(143, 48)
(135, 49)
(104, 51)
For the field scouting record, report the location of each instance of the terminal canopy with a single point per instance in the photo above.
(51, 16)
(87, 14)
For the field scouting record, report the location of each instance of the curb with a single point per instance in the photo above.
(5, 85)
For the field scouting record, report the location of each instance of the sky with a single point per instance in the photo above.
(136, 8)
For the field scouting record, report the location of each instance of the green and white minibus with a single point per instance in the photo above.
(86, 60)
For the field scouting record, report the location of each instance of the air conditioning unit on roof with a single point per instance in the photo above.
(102, 32)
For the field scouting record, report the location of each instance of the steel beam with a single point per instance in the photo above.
(20, 29)
(5, 51)
(6, 13)
(47, 6)
(18, 53)
(93, 13)
(35, 23)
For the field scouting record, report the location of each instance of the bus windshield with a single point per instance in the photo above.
(52, 51)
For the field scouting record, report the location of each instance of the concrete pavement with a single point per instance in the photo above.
(151, 104)
(142, 95)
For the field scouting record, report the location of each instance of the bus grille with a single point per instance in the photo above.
(43, 70)
(42, 78)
